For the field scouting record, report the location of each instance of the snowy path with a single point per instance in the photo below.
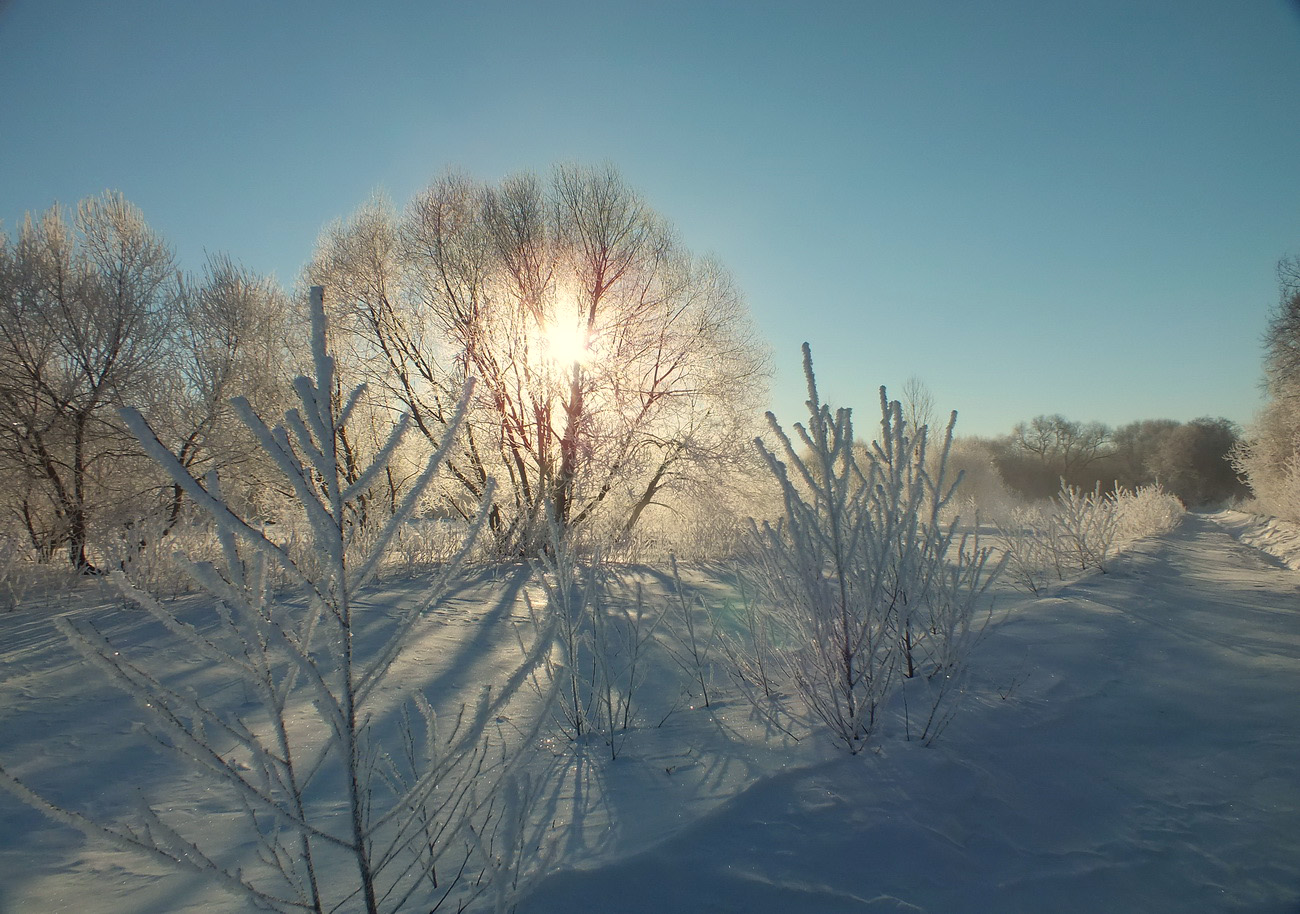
(1146, 759)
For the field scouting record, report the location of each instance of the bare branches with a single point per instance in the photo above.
(85, 312)
(613, 365)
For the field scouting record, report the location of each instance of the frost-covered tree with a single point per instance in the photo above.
(86, 306)
(1282, 339)
(95, 316)
(235, 333)
(354, 793)
(1269, 456)
(614, 365)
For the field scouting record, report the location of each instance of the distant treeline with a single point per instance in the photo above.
(1192, 460)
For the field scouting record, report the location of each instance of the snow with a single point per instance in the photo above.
(1129, 742)
(1278, 538)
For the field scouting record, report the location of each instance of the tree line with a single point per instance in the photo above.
(615, 370)
(617, 373)
(1191, 460)
(94, 316)
(1205, 461)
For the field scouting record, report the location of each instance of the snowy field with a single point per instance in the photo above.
(1129, 742)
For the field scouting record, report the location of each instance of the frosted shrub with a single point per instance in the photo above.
(1025, 538)
(861, 583)
(353, 792)
(1274, 478)
(1280, 494)
(425, 543)
(14, 580)
(1084, 526)
(692, 649)
(1074, 531)
(747, 650)
(944, 627)
(1146, 511)
(1080, 530)
(146, 555)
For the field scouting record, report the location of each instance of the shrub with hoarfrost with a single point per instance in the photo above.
(1080, 530)
(1146, 511)
(862, 585)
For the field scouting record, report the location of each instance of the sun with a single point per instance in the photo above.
(566, 344)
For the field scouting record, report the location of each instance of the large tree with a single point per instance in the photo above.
(1193, 462)
(85, 307)
(94, 316)
(613, 364)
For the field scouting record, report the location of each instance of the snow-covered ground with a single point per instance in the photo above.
(1129, 743)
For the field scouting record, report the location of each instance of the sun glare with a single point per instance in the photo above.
(566, 344)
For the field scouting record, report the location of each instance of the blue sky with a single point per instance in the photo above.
(1034, 206)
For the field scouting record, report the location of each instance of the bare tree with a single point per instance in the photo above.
(85, 306)
(918, 404)
(1282, 363)
(1039, 454)
(1062, 442)
(613, 364)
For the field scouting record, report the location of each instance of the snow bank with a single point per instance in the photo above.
(1278, 538)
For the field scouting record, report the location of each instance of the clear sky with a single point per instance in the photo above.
(1036, 206)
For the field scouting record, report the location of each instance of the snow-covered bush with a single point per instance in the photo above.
(1272, 469)
(1025, 537)
(1080, 530)
(1146, 511)
(352, 790)
(862, 584)
(1084, 525)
